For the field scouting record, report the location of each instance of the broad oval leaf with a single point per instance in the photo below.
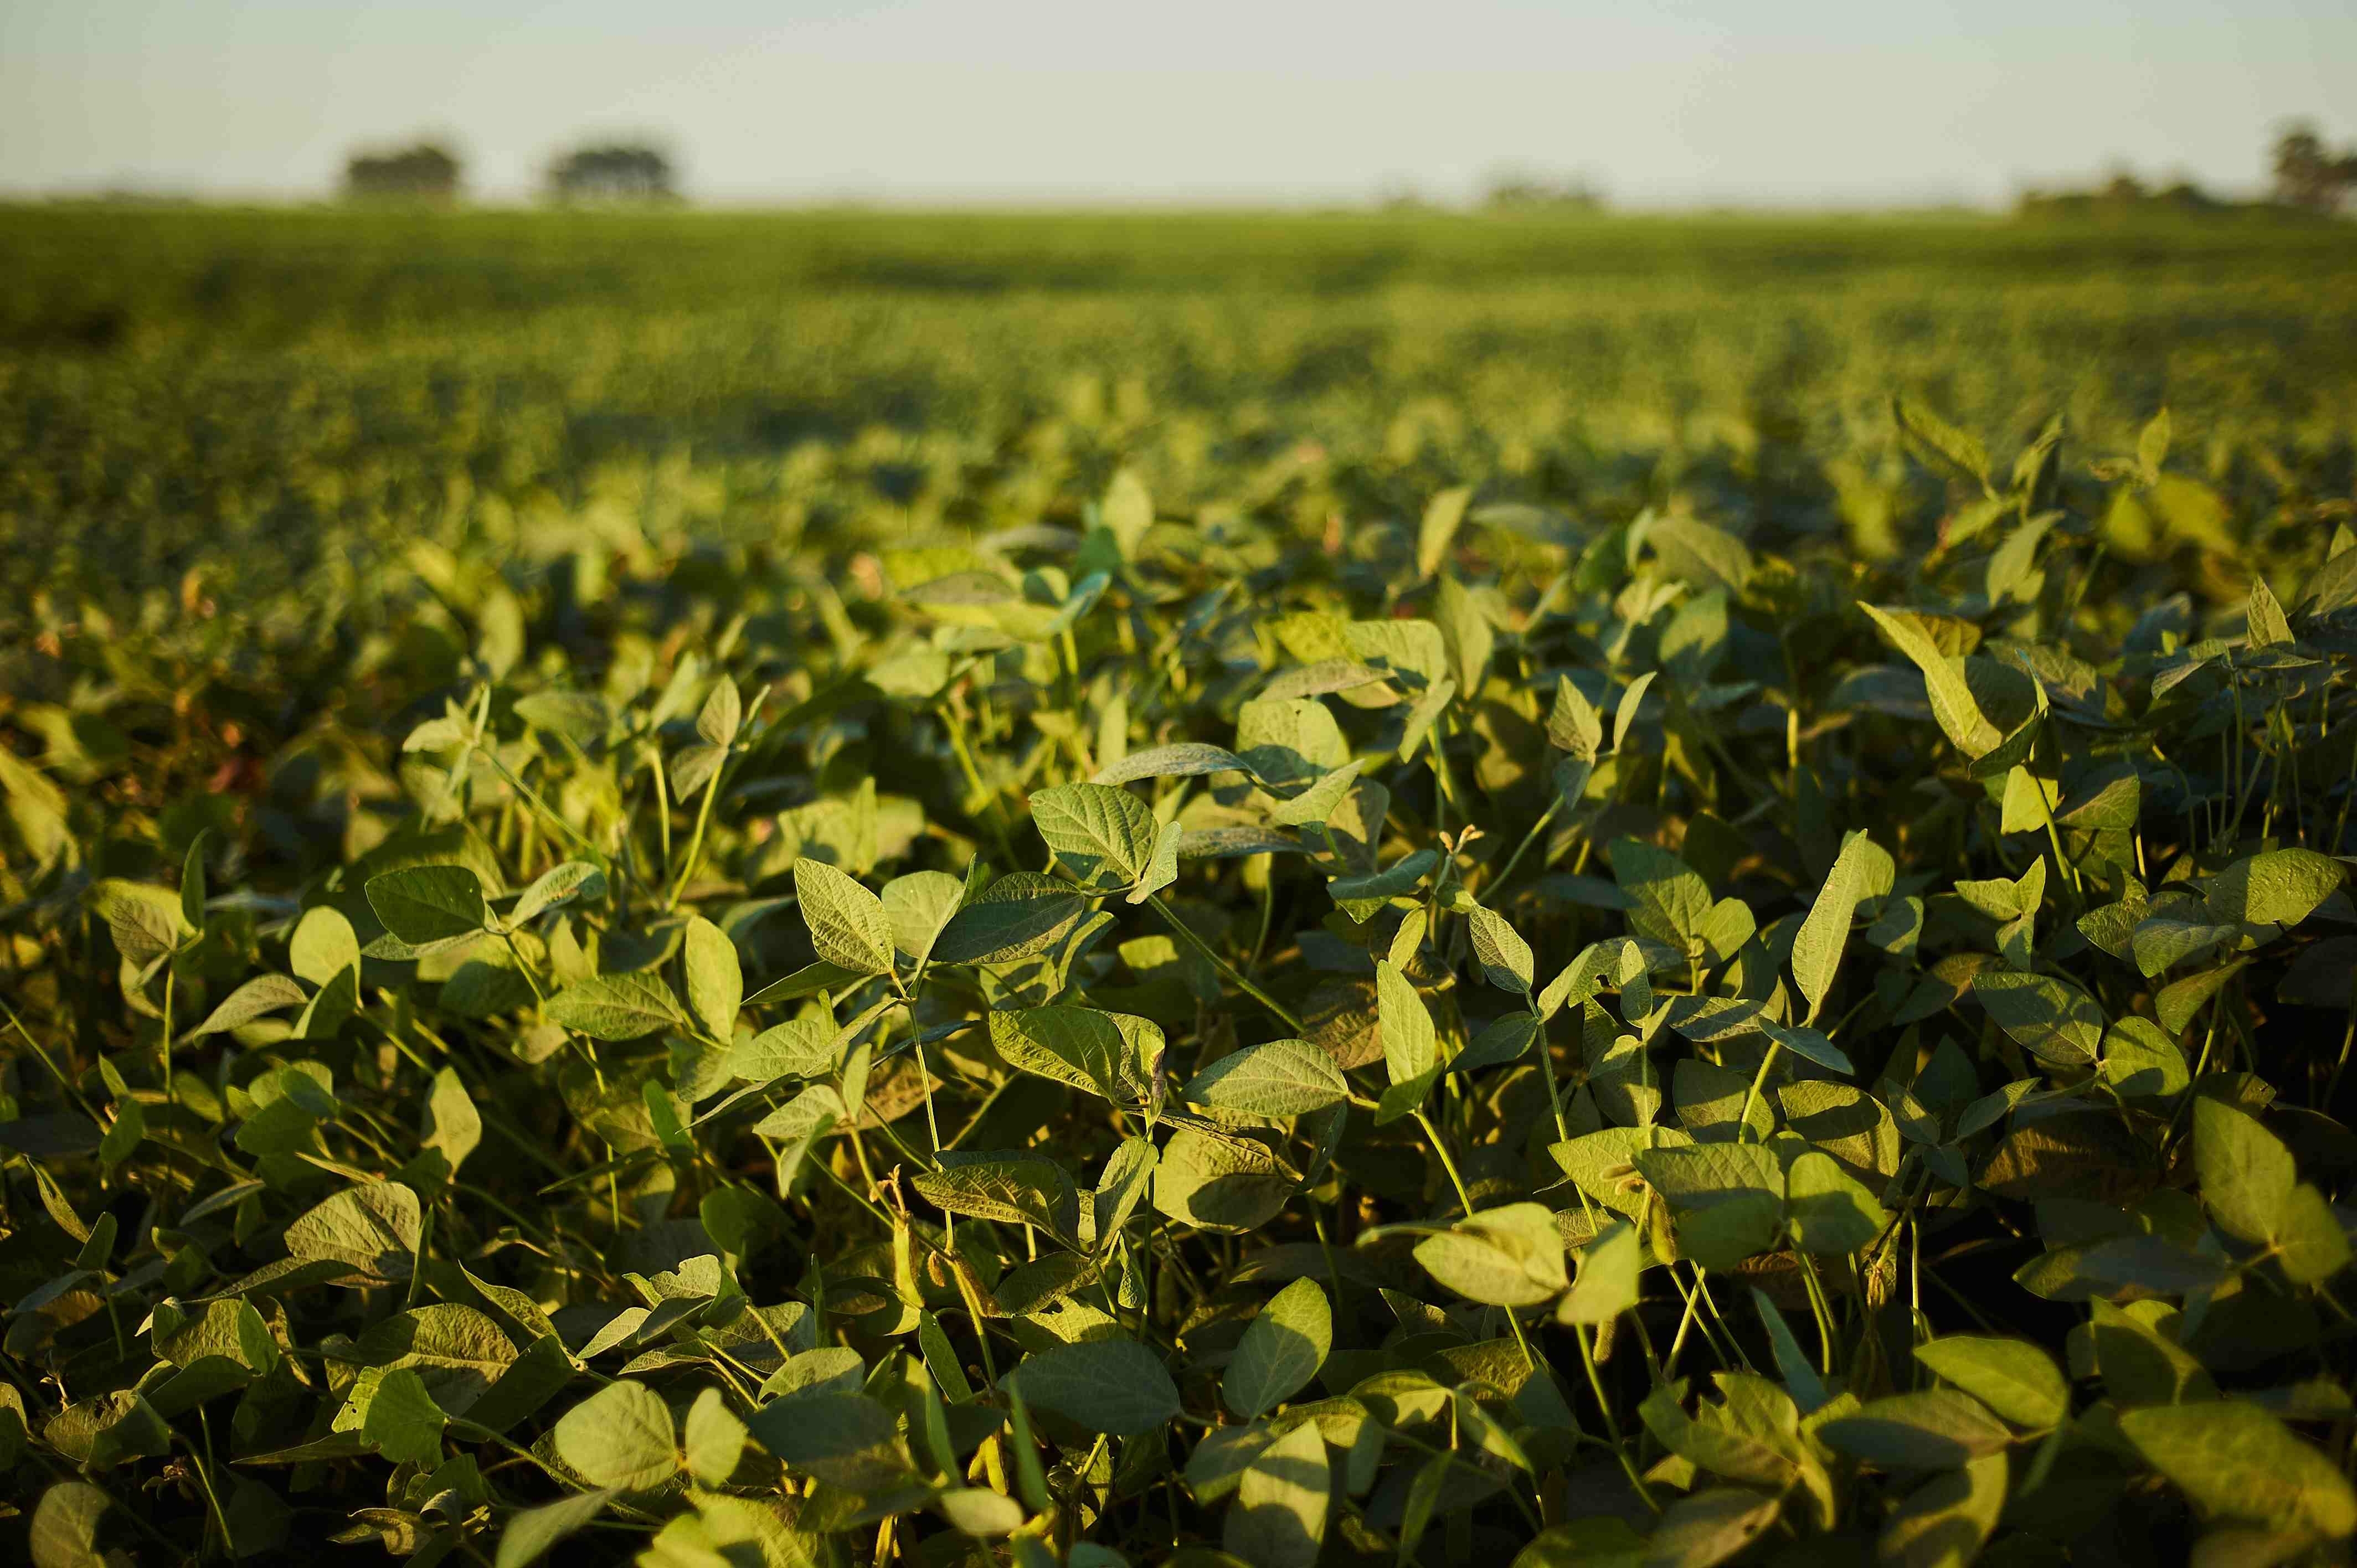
(617, 1006)
(1115, 1386)
(848, 924)
(1281, 1351)
(1275, 1078)
(621, 1436)
(423, 904)
(1105, 836)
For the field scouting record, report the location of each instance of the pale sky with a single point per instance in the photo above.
(1753, 103)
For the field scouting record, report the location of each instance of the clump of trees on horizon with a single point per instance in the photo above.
(430, 171)
(2309, 178)
(613, 172)
(2309, 175)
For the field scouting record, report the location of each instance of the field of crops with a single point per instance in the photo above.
(854, 888)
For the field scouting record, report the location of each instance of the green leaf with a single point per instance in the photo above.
(531, 1380)
(192, 884)
(2268, 625)
(2310, 1244)
(1183, 759)
(807, 980)
(372, 1230)
(1105, 836)
(1958, 449)
(1512, 1256)
(1504, 956)
(1947, 1519)
(1624, 717)
(2152, 446)
(2049, 1018)
(1505, 1040)
(716, 983)
(1817, 951)
(2247, 1173)
(533, 1532)
(1673, 902)
(620, 1436)
(618, 1006)
(2140, 1061)
(323, 946)
(1112, 1385)
(1607, 1285)
(2282, 887)
(1107, 1054)
(848, 925)
(844, 1439)
(556, 887)
(403, 1422)
(1162, 867)
(2233, 1460)
(1020, 914)
(2177, 1003)
(65, 1526)
(1127, 510)
(1009, 1189)
(1120, 1184)
(979, 1513)
(1600, 1541)
(1809, 1045)
(1830, 1212)
(1709, 1526)
(425, 904)
(1952, 699)
(920, 906)
(1278, 1519)
(1281, 1351)
(714, 1439)
(1275, 1078)
(1574, 724)
(723, 712)
(2012, 1376)
(452, 1125)
(1443, 515)
(147, 922)
(798, 1047)
(263, 993)
(1411, 1048)
(1935, 1430)
(1361, 896)
(577, 715)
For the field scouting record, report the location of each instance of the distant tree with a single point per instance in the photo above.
(2123, 187)
(1521, 192)
(426, 172)
(618, 171)
(2307, 173)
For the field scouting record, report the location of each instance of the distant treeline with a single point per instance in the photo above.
(431, 172)
(2309, 178)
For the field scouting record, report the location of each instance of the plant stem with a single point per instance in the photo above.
(1155, 903)
(1751, 1095)
(695, 843)
(1441, 1148)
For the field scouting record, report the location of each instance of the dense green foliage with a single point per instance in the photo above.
(724, 891)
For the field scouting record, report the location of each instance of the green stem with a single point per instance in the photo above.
(168, 978)
(1155, 903)
(1611, 1422)
(695, 843)
(1751, 1095)
(1529, 839)
(1441, 1148)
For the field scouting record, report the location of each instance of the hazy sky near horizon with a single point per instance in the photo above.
(1809, 102)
